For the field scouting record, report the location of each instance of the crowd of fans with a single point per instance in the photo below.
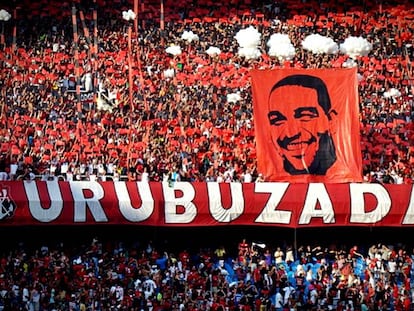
(182, 126)
(104, 275)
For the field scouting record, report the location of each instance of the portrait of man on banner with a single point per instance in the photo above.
(307, 125)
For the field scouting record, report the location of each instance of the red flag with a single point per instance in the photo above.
(307, 125)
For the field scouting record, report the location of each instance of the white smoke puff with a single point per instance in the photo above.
(281, 47)
(169, 73)
(213, 51)
(189, 36)
(355, 46)
(173, 49)
(318, 44)
(248, 37)
(250, 52)
(349, 63)
(249, 41)
(392, 93)
(233, 97)
(128, 15)
(4, 15)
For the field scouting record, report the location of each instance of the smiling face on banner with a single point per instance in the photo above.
(306, 124)
(300, 125)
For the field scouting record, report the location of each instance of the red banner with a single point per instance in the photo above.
(307, 125)
(205, 204)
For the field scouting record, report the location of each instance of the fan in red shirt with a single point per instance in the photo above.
(243, 250)
(184, 258)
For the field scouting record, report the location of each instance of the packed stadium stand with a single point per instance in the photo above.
(187, 113)
(119, 101)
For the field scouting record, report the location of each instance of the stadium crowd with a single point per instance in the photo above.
(109, 275)
(182, 126)
(179, 123)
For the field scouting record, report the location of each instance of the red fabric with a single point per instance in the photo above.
(341, 85)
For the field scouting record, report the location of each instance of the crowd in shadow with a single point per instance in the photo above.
(111, 274)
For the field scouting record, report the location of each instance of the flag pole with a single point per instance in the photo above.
(409, 69)
(95, 52)
(95, 27)
(76, 59)
(14, 39)
(142, 9)
(136, 3)
(131, 90)
(2, 40)
(92, 58)
(162, 15)
(130, 80)
(162, 23)
(86, 33)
